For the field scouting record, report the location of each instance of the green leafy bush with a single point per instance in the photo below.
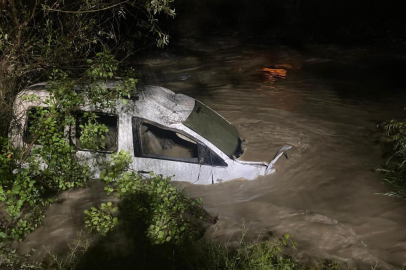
(169, 216)
(93, 133)
(101, 220)
(395, 169)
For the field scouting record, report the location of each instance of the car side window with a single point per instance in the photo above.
(156, 142)
(110, 138)
(33, 115)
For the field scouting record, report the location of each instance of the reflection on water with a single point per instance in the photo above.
(327, 108)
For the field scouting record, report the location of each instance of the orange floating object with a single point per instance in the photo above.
(274, 74)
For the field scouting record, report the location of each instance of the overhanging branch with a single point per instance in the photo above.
(84, 11)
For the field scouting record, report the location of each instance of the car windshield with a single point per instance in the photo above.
(215, 129)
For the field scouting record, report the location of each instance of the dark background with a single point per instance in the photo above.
(292, 21)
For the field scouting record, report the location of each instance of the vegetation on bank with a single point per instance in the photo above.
(395, 168)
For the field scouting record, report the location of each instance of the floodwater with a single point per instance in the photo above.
(327, 108)
(326, 195)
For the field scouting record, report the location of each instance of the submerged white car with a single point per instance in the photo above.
(167, 133)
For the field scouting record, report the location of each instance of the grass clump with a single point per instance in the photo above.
(255, 255)
(10, 259)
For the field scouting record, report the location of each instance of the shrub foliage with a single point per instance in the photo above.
(37, 36)
(167, 214)
(395, 169)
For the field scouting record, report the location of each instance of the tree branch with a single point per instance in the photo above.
(85, 11)
(15, 14)
(32, 13)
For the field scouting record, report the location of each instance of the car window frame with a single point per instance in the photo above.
(73, 137)
(26, 128)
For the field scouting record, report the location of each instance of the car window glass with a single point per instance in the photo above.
(209, 157)
(110, 138)
(161, 143)
(215, 129)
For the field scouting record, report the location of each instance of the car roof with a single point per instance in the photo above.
(153, 103)
(163, 106)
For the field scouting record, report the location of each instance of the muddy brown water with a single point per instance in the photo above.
(326, 195)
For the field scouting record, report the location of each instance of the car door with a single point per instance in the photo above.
(170, 153)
